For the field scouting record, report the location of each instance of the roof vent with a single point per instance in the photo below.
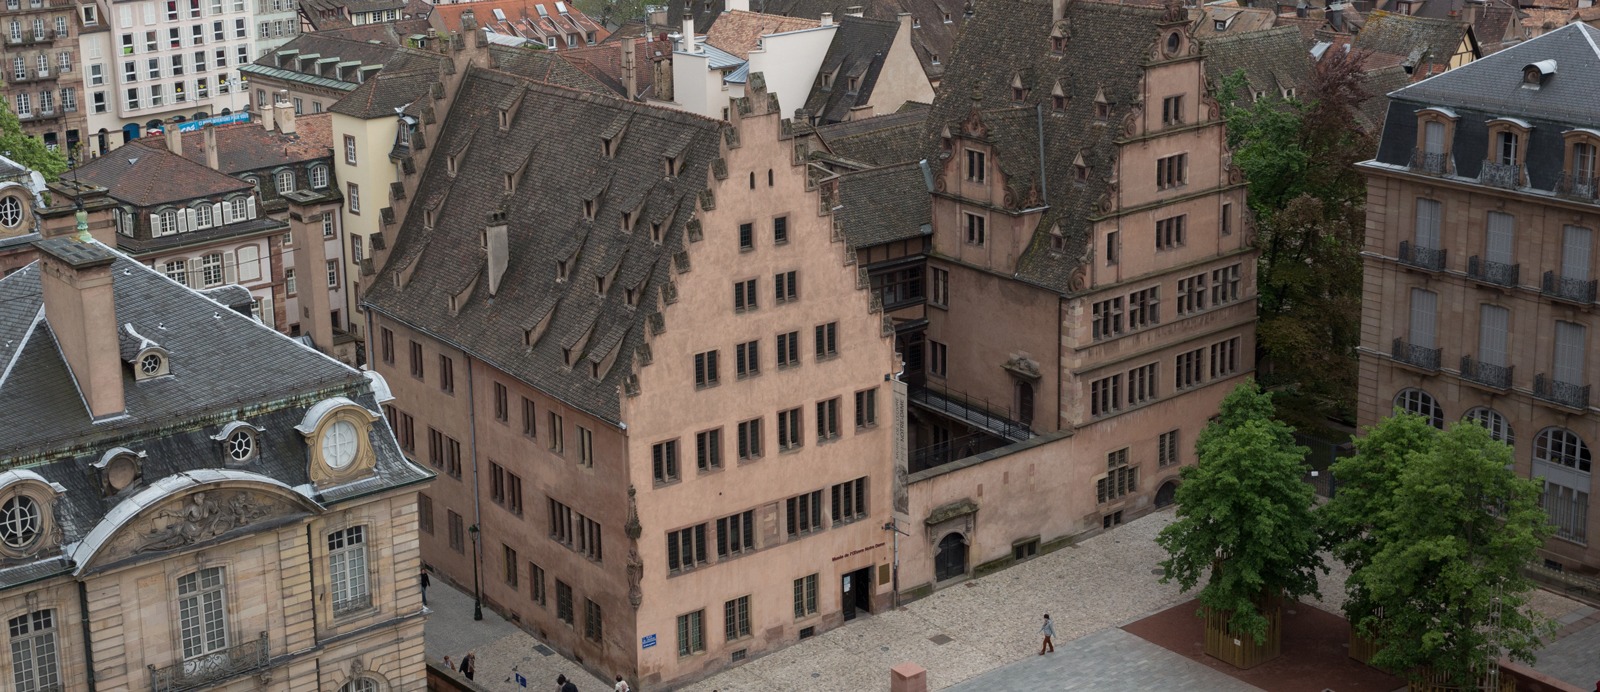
(1536, 74)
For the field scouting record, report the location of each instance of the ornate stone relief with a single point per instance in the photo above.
(202, 516)
(634, 529)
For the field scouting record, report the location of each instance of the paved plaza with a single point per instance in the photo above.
(503, 649)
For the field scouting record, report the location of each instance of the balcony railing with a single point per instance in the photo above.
(1563, 393)
(1497, 376)
(202, 671)
(1507, 175)
(1496, 273)
(1422, 257)
(977, 413)
(1433, 164)
(1561, 287)
(1416, 356)
(1583, 187)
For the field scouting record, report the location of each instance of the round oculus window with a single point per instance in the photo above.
(241, 445)
(1173, 42)
(150, 364)
(20, 522)
(339, 444)
(10, 212)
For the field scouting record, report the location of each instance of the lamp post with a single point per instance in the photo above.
(477, 590)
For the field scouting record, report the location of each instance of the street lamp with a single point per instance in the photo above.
(477, 591)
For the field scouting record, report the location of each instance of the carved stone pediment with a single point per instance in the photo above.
(1023, 367)
(190, 519)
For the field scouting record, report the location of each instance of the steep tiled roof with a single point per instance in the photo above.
(1493, 84)
(1544, 19)
(521, 18)
(549, 67)
(150, 175)
(1233, 20)
(1007, 39)
(739, 32)
(553, 144)
(603, 63)
(1430, 42)
(854, 57)
(933, 38)
(389, 33)
(247, 146)
(879, 140)
(1378, 83)
(386, 91)
(1272, 59)
(883, 205)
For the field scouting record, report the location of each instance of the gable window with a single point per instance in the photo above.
(34, 652)
(1172, 110)
(976, 168)
(347, 569)
(202, 613)
(975, 229)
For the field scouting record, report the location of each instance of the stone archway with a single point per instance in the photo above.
(950, 562)
(1166, 494)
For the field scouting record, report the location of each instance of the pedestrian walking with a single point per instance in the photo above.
(622, 685)
(426, 582)
(1049, 630)
(469, 665)
(565, 685)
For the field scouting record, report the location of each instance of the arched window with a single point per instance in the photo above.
(1499, 428)
(285, 181)
(360, 685)
(319, 177)
(168, 222)
(1418, 402)
(10, 211)
(203, 217)
(1560, 446)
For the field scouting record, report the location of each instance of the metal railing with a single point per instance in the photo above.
(941, 453)
(1493, 272)
(1563, 393)
(1497, 376)
(1575, 290)
(240, 658)
(974, 412)
(1421, 257)
(1583, 187)
(353, 603)
(1507, 175)
(1415, 356)
(1434, 164)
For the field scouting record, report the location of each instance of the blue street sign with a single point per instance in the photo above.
(522, 680)
(648, 641)
(193, 125)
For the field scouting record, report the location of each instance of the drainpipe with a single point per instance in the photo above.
(88, 644)
(311, 576)
(477, 503)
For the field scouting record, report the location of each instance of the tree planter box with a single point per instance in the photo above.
(1243, 652)
(1496, 681)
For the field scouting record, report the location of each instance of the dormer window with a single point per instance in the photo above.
(1536, 74)
(632, 297)
(655, 232)
(1058, 44)
(1219, 25)
(1080, 169)
(1058, 102)
(561, 270)
(588, 209)
(600, 286)
(26, 519)
(505, 119)
(947, 17)
(1058, 242)
(672, 166)
(607, 147)
(1505, 148)
(510, 183)
(450, 164)
(1102, 107)
(566, 356)
(916, 23)
(627, 221)
(239, 441)
(427, 218)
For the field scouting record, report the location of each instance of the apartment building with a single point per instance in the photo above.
(176, 59)
(193, 501)
(42, 69)
(1479, 287)
(649, 496)
(277, 21)
(781, 54)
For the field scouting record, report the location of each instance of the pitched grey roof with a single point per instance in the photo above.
(386, 91)
(551, 67)
(1427, 43)
(1272, 59)
(1494, 83)
(879, 140)
(883, 205)
(555, 140)
(854, 57)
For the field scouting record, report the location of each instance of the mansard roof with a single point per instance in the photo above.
(560, 131)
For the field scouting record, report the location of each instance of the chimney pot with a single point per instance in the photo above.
(688, 35)
(827, 19)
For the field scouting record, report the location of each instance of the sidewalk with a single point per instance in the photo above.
(503, 649)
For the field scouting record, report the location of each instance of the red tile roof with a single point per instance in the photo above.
(739, 32)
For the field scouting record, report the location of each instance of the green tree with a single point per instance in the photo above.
(1244, 516)
(26, 149)
(1445, 570)
(612, 13)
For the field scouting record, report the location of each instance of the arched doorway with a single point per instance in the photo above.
(131, 132)
(1166, 493)
(951, 560)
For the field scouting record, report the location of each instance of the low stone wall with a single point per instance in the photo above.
(446, 680)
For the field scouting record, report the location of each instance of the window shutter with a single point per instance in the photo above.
(155, 225)
(194, 218)
(250, 206)
(1492, 331)
(196, 276)
(230, 268)
(1428, 224)
(1569, 353)
(1424, 309)
(181, 217)
(227, 213)
(216, 214)
(1501, 237)
(1433, 138)
(267, 316)
(1575, 248)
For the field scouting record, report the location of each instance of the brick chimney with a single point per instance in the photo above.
(311, 268)
(81, 309)
(174, 137)
(213, 157)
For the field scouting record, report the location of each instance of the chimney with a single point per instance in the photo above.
(311, 259)
(81, 309)
(630, 70)
(268, 116)
(213, 159)
(736, 5)
(827, 19)
(688, 35)
(285, 114)
(174, 137)
(853, 11)
(1058, 10)
(495, 243)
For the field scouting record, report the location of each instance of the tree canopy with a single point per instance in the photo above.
(612, 13)
(26, 149)
(1244, 515)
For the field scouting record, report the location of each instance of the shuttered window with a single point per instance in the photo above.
(1433, 138)
(1569, 352)
(1492, 330)
(1575, 247)
(1424, 312)
(1501, 236)
(1428, 223)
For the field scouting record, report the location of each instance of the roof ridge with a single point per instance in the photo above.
(501, 76)
(1257, 35)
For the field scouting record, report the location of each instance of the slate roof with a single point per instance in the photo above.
(554, 67)
(1493, 84)
(386, 56)
(739, 32)
(554, 139)
(883, 205)
(147, 176)
(379, 96)
(933, 39)
(1008, 38)
(857, 53)
(879, 140)
(1377, 83)
(248, 146)
(390, 33)
(1272, 59)
(1428, 43)
(224, 367)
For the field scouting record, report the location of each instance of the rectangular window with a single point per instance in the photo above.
(202, 613)
(976, 170)
(736, 618)
(827, 419)
(941, 288)
(898, 287)
(708, 449)
(585, 446)
(347, 570)
(867, 408)
(1493, 331)
(804, 513)
(416, 360)
(805, 596)
(788, 349)
(508, 562)
(1172, 171)
(1170, 232)
(747, 236)
(333, 273)
(705, 369)
(1568, 509)
(555, 433)
(530, 421)
(664, 461)
(35, 663)
(1501, 236)
(1142, 384)
(750, 440)
(744, 295)
(1192, 294)
(502, 403)
(827, 340)
(425, 514)
(1225, 358)
(747, 359)
(1113, 247)
(1105, 395)
(1427, 231)
(497, 483)
(976, 234)
(938, 359)
(736, 535)
(1570, 337)
(691, 633)
(536, 583)
(1144, 308)
(1190, 369)
(1167, 449)
(1576, 247)
(780, 230)
(593, 630)
(563, 602)
(789, 430)
(1227, 218)
(447, 374)
(1120, 479)
(1172, 110)
(1424, 318)
(457, 531)
(850, 501)
(353, 197)
(686, 548)
(1107, 318)
(1224, 285)
(785, 288)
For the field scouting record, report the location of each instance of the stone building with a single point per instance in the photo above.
(653, 497)
(42, 69)
(1478, 266)
(191, 499)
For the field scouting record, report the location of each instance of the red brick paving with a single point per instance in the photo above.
(1315, 651)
